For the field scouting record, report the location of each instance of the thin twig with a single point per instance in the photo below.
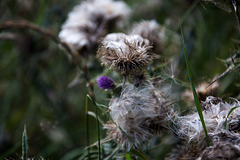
(223, 74)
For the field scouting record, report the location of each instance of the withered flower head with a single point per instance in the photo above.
(222, 151)
(91, 20)
(139, 112)
(215, 114)
(149, 30)
(203, 91)
(125, 53)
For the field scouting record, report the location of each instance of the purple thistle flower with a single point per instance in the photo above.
(105, 82)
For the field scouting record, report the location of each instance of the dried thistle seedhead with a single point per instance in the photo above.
(203, 91)
(215, 114)
(125, 53)
(149, 30)
(186, 151)
(221, 151)
(226, 137)
(139, 112)
(91, 20)
(200, 150)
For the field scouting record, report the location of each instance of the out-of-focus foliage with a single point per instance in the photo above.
(41, 87)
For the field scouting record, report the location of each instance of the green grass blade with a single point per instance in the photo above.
(231, 110)
(87, 127)
(98, 126)
(24, 144)
(139, 153)
(198, 105)
(98, 133)
(128, 156)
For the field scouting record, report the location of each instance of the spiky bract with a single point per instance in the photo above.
(125, 53)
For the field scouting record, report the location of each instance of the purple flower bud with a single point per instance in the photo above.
(105, 82)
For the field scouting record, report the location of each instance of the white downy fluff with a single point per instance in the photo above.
(214, 115)
(136, 112)
(86, 22)
(151, 31)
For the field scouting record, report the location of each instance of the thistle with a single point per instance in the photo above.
(215, 112)
(149, 30)
(125, 53)
(203, 92)
(105, 82)
(139, 112)
(222, 151)
(91, 20)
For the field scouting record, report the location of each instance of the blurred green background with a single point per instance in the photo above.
(35, 73)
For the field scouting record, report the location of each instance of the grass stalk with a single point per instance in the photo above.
(197, 102)
(231, 110)
(98, 132)
(24, 144)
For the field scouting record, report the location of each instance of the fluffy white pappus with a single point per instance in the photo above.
(146, 28)
(109, 9)
(79, 39)
(125, 53)
(214, 113)
(139, 112)
(149, 30)
(90, 20)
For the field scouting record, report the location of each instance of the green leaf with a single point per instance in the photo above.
(231, 110)
(139, 153)
(128, 156)
(24, 144)
(198, 105)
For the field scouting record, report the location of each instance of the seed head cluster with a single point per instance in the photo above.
(215, 112)
(125, 53)
(222, 150)
(139, 112)
(149, 30)
(91, 20)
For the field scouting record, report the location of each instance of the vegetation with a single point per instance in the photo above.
(60, 89)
